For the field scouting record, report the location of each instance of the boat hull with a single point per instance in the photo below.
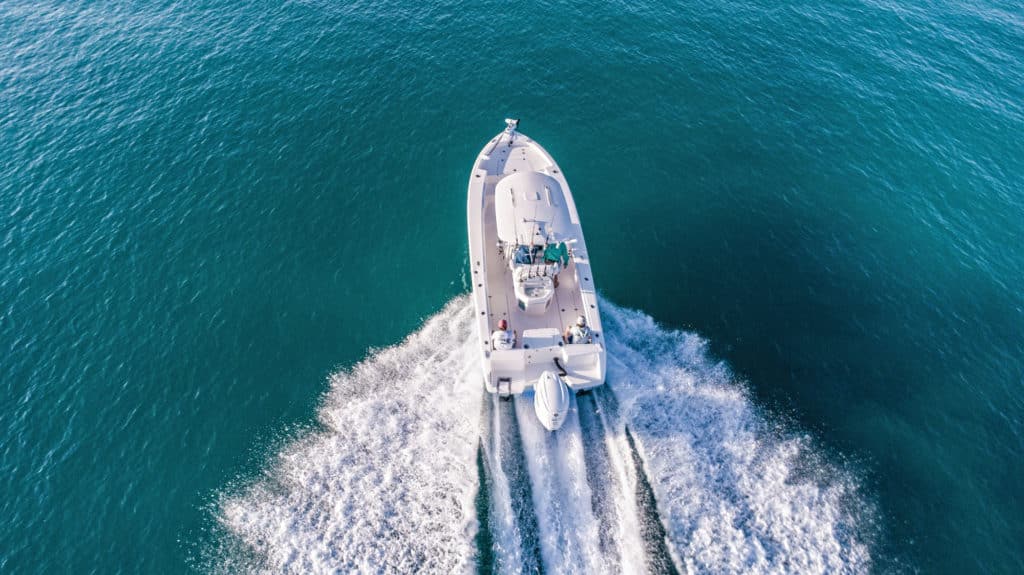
(518, 198)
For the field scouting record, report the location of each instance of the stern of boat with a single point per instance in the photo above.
(514, 371)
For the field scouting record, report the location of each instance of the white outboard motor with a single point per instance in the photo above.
(551, 401)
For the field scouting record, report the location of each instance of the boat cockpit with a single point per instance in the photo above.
(535, 270)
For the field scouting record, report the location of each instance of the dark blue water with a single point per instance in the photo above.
(207, 208)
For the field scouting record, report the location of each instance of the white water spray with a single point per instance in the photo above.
(734, 496)
(388, 483)
(561, 495)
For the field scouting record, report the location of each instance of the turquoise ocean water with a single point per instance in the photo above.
(210, 211)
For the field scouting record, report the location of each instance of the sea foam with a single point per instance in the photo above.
(388, 482)
(735, 493)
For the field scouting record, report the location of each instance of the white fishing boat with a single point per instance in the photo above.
(536, 307)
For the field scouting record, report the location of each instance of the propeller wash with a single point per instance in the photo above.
(670, 465)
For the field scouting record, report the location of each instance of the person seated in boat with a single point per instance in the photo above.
(578, 332)
(503, 337)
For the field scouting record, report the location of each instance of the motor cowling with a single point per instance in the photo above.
(551, 400)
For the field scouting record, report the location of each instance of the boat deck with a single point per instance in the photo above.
(501, 304)
(538, 336)
(501, 299)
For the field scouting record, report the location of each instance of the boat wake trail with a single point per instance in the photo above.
(513, 524)
(388, 481)
(734, 493)
(669, 468)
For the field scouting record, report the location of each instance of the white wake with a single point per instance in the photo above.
(568, 529)
(734, 495)
(389, 482)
